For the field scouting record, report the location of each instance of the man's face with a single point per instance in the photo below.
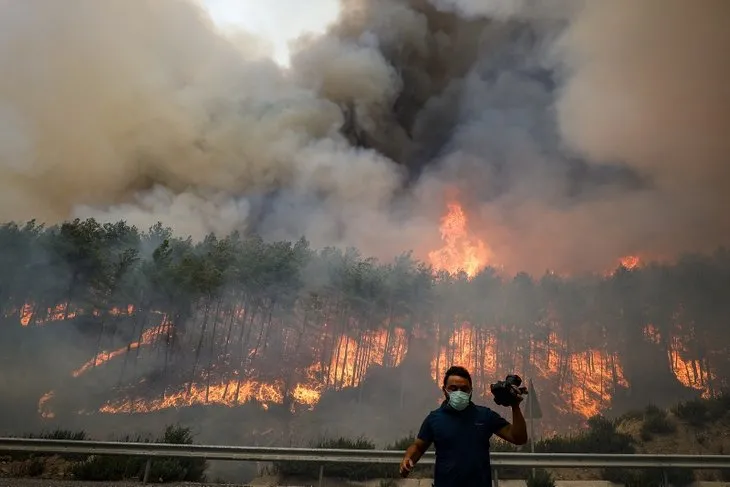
(456, 383)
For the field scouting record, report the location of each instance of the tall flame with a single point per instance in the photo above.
(461, 252)
(586, 377)
(595, 372)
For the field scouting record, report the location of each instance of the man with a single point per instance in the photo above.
(460, 431)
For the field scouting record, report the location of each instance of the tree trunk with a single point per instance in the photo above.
(209, 369)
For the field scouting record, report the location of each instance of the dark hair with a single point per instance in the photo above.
(458, 371)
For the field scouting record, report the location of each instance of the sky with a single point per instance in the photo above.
(277, 21)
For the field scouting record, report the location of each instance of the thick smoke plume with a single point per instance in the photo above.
(573, 132)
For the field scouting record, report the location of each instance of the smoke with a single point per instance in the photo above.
(574, 132)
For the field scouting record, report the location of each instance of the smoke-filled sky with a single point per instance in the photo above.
(573, 132)
(278, 23)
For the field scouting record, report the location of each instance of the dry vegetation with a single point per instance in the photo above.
(699, 427)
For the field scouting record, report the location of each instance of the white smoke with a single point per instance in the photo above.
(574, 132)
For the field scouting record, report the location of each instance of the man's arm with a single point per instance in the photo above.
(417, 448)
(515, 433)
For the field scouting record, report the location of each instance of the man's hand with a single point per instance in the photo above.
(518, 397)
(412, 455)
(405, 467)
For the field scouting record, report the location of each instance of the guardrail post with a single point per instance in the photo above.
(495, 478)
(665, 478)
(321, 475)
(147, 468)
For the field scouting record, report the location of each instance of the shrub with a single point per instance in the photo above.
(694, 412)
(718, 407)
(678, 477)
(58, 434)
(354, 471)
(31, 467)
(36, 466)
(110, 468)
(656, 422)
(601, 437)
(541, 478)
(402, 443)
(631, 415)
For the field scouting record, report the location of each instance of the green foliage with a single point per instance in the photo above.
(310, 470)
(60, 434)
(600, 437)
(117, 467)
(111, 468)
(298, 304)
(702, 412)
(541, 478)
(403, 443)
(695, 413)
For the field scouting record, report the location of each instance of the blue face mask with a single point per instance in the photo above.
(459, 400)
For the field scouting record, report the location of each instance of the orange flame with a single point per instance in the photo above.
(147, 338)
(347, 369)
(460, 252)
(224, 393)
(43, 407)
(586, 377)
(59, 312)
(593, 369)
(630, 262)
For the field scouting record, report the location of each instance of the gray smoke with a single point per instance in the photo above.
(573, 132)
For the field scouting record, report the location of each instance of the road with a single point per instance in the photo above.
(10, 482)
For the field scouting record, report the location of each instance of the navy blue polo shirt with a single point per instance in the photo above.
(461, 439)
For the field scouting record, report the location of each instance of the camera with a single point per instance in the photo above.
(507, 392)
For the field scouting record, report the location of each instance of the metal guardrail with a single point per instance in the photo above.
(318, 455)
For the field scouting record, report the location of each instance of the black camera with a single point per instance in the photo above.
(507, 392)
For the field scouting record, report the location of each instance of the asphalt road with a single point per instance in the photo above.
(10, 482)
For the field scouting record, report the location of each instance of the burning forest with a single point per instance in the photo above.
(530, 187)
(146, 322)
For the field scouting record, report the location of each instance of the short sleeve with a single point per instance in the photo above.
(495, 421)
(426, 431)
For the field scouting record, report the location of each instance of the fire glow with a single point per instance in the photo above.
(461, 251)
(597, 372)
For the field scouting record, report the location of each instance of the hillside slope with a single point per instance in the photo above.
(700, 427)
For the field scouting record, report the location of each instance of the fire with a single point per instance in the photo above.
(468, 347)
(689, 372)
(29, 314)
(147, 338)
(306, 395)
(690, 375)
(460, 252)
(347, 369)
(26, 314)
(586, 378)
(353, 357)
(228, 393)
(630, 262)
(43, 407)
(128, 311)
